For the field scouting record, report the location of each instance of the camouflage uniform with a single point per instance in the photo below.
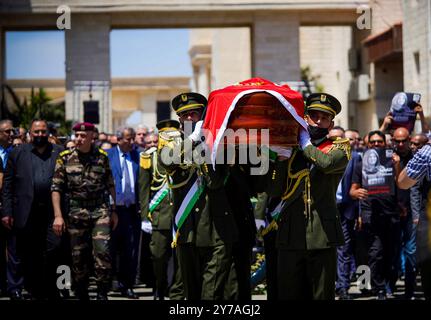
(86, 179)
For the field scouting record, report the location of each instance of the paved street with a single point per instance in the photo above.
(145, 293)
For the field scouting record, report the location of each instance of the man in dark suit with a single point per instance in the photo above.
(349, 210)
(124, 161)
(28, 210)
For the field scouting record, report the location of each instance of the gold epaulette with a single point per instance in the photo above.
(63, 153)
(101, 151)
(145, 160)
(165, 140)
(342, 144)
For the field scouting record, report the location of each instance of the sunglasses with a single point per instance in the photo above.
(376, 142)
(8, 131)
(417, 144)
(40, 131)
(400, 141)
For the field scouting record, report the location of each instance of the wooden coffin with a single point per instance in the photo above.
(263, 111)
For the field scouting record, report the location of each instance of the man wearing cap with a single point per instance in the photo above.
(84, 177)
(309, 228)
(157, 212)
(204, 223)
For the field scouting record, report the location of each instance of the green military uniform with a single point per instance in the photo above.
(240, 188)
(204, 240)
(157, 207)
(85, 179)
(263, 207)
(309, 228)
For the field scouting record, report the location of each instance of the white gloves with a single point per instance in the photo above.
(260, 224)
(146, 227)
(304, 138)
(196, 134)
(284, 152)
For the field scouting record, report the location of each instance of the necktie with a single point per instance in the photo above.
(127, 183)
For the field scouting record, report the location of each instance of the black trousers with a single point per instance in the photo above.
(238, 286)
(3, 268)
(425, 270)
(383, 235)
(125, 245)
(307, 274)
(271, 258)
(37, 249)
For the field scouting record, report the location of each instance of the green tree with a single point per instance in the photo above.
(307, 77)
(38, 105)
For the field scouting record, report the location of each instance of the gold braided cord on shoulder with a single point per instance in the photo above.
(157, 176)
(343, 145)
(179, 185)
(290, 177)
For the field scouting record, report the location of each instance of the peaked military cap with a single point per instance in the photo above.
(167, 125)
(323, 102)
(188, 101)
(83, 126)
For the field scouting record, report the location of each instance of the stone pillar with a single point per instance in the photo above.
(201, 61)
(276, 47)
(204, 79)
(88, 59)
(231, 57)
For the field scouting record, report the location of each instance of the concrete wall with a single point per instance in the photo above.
(388, 80)
(325, 51)
(231, 56)
(416, 48)
(276, 47)
(386, 13)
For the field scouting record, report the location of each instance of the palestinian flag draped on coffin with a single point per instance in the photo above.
(254, 104)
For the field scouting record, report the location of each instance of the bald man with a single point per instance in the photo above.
(408, 222)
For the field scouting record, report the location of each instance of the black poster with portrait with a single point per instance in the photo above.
(378, 172)
(402, 110)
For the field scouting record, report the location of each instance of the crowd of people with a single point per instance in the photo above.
(112, 209)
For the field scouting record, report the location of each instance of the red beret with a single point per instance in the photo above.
(83, 126)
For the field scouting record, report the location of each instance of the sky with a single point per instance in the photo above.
(134, 53)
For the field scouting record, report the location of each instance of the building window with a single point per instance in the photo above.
(163, 110)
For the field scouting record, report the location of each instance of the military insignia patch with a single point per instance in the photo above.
(322, 98)
(184, 97)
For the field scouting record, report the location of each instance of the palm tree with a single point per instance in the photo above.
(39, 106)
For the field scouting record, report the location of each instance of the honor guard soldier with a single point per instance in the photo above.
(204, 224)
(157, 208)
(83, 176)
(307, 221)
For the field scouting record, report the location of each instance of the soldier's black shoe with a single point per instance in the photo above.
(102, 296)
(16, 295)
(381, 295)
(130, 294)
(344, 295)
(82, 294)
